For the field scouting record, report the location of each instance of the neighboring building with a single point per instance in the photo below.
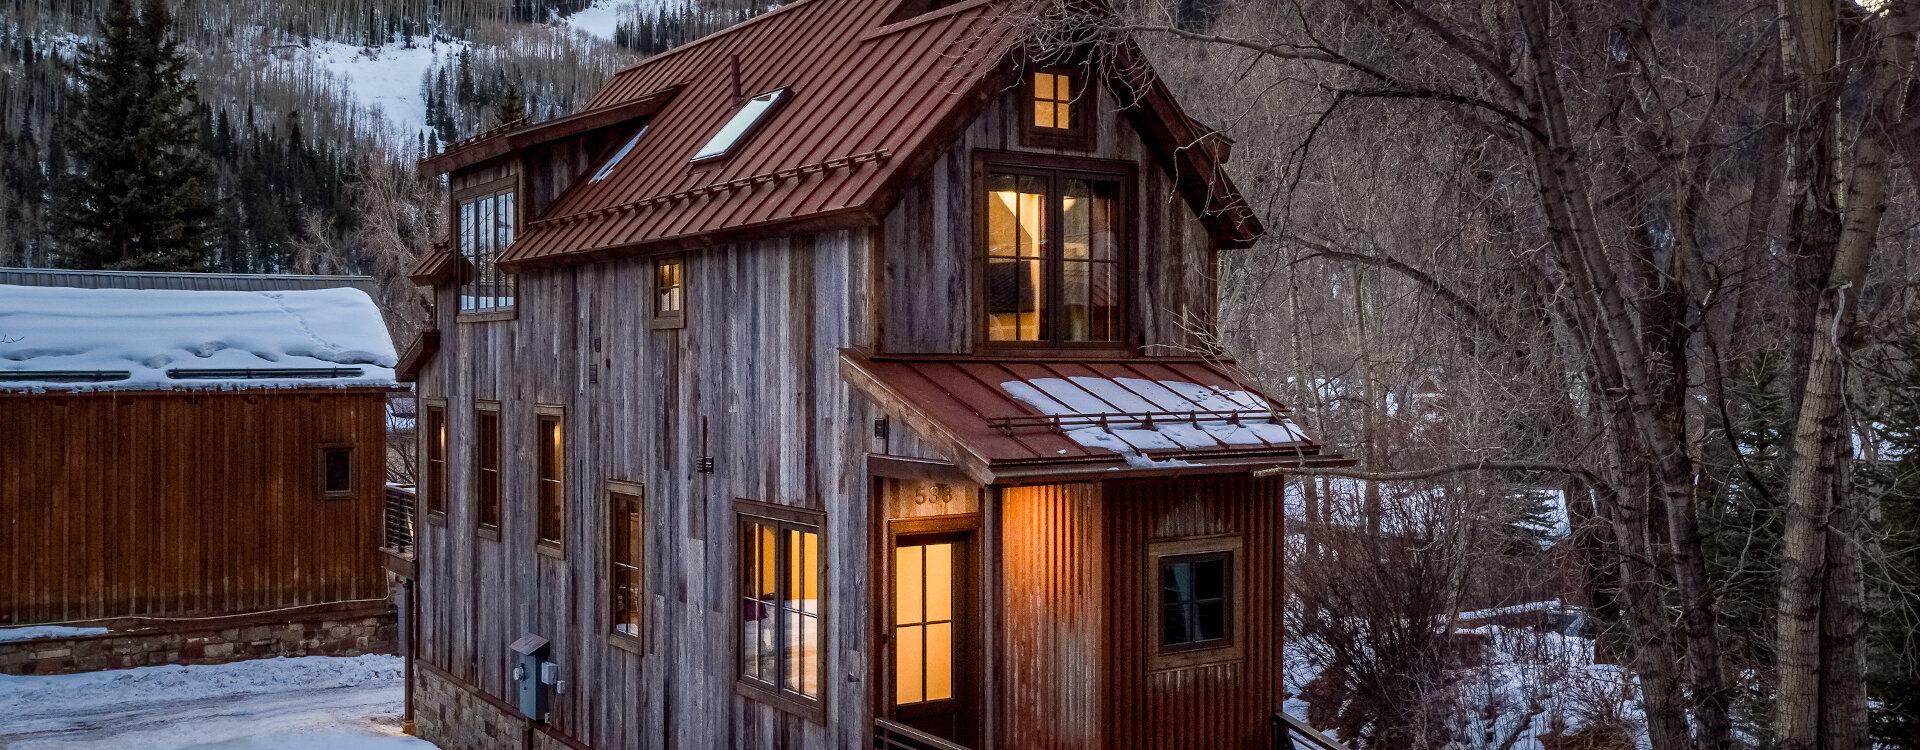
(834, 380)
(186, 459)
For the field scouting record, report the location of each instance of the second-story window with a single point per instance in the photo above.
(486, 229)
(1054, 261)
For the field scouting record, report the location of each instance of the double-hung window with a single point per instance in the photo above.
(486, 229)
(780, 605)
(1055, 260)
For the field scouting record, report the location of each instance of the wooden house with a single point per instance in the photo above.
(835, 380)
(179, 449)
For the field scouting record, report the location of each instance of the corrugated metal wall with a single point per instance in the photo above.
(1053, 618)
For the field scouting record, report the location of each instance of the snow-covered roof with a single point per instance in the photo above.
(68, 339)
(1132, 415)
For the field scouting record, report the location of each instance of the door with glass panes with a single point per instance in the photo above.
(930, 630)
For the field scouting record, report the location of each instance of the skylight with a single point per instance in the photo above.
(742, 121)
(607, 170)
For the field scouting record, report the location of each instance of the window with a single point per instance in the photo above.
(336, 471)
(486, 229)
(1053, 100)
(780, 601)
(606, 170)
(752, 114)
(436, 437)
(923, 634)
(550, 454)
(486, 466)
(1054, 259)
(1194, 595)
(669, 292)
(624, 555)
(1057, 108)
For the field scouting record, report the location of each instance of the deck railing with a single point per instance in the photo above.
(398, 536)
(1290, 733)
(889, 735)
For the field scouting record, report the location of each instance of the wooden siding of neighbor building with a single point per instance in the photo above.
(753, 381)
(185, 504)
(931, 258)
(1218, 707)
(1054, 610)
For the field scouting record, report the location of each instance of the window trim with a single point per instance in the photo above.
(1163, 658)
(783, 517)
(480, 526)
(656, 319)
(697, 163)
(551, 547)
(1085, 104)
(353, 469)
(435, 482)
(634, 642)
(503, 185)
(987, 162)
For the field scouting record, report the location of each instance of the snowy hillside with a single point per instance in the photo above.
(387, 79)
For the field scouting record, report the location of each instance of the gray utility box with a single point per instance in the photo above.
(531, 652)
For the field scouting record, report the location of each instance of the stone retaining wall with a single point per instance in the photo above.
(450, 713)
(363, 629)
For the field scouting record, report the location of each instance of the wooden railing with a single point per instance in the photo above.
(1290, 733)
(397, 536)
(889, 735)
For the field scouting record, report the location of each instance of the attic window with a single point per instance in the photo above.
(743, 122)
(607, 169)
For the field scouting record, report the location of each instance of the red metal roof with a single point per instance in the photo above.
(868, 102)
(1122, 415)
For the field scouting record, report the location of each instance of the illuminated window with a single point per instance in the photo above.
(923, 622)
(606, 170)
(1053, 259)
(486, 465)
(624, 555)
(336, 471)
(486, 229)
(436, 437)
(669, 292)
(550, 457)
(780, 605)
(750, 115)
(1053, 101)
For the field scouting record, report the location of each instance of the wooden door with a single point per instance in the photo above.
(933, 634)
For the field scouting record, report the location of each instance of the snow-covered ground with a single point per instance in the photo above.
(308, 703)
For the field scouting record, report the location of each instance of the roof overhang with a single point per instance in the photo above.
(417, 355)
(501, 142)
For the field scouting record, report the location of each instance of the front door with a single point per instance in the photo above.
(930, 631)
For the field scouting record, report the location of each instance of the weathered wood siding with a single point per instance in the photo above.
(1054, 609)
(753, 381)
(931, 259)
(1217, 707)
(176, 504)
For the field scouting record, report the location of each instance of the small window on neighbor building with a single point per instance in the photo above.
(614, 161)
(743, 122)
(669, 292)
(336, 471)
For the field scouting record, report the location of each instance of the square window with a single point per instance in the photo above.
(1057, 110)
(1193, 602)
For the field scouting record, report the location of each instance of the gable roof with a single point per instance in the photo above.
(66, 338)
(870, 105)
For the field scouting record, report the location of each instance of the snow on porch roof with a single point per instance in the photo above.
(998, 418)
(70, 339)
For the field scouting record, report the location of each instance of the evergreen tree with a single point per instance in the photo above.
(512, 107)
(137, 196)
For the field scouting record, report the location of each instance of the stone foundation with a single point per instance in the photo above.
(452, 714)
(363, 629)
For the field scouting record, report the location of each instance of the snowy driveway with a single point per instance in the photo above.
(310, 703)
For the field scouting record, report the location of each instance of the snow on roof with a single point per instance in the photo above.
(62, 338)
(1232, 417)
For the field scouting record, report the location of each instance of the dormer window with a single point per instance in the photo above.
(1057, 109)
(486, 229)
(751, 115)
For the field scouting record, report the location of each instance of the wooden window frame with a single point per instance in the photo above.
(502, 186)
(1084, 104)
(657, 319)
(552, 547)
(1233, 648)
(481, 500)
(353, 468)
(434, 479)
(969, 607)
(1057, 169)
(783, 518)
(634, 642)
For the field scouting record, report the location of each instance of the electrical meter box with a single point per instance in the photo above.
(531, 652)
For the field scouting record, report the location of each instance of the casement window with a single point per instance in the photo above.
(436, 457)
(1055, 266)
(550, 458)
(486, 467)
(739, 129)
(486, 229)
(670, 292)
(336, 471)
(625, 556)
(780, 606)
(1195, 601)
(1057, 109)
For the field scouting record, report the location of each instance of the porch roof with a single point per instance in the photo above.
(1005, 420)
